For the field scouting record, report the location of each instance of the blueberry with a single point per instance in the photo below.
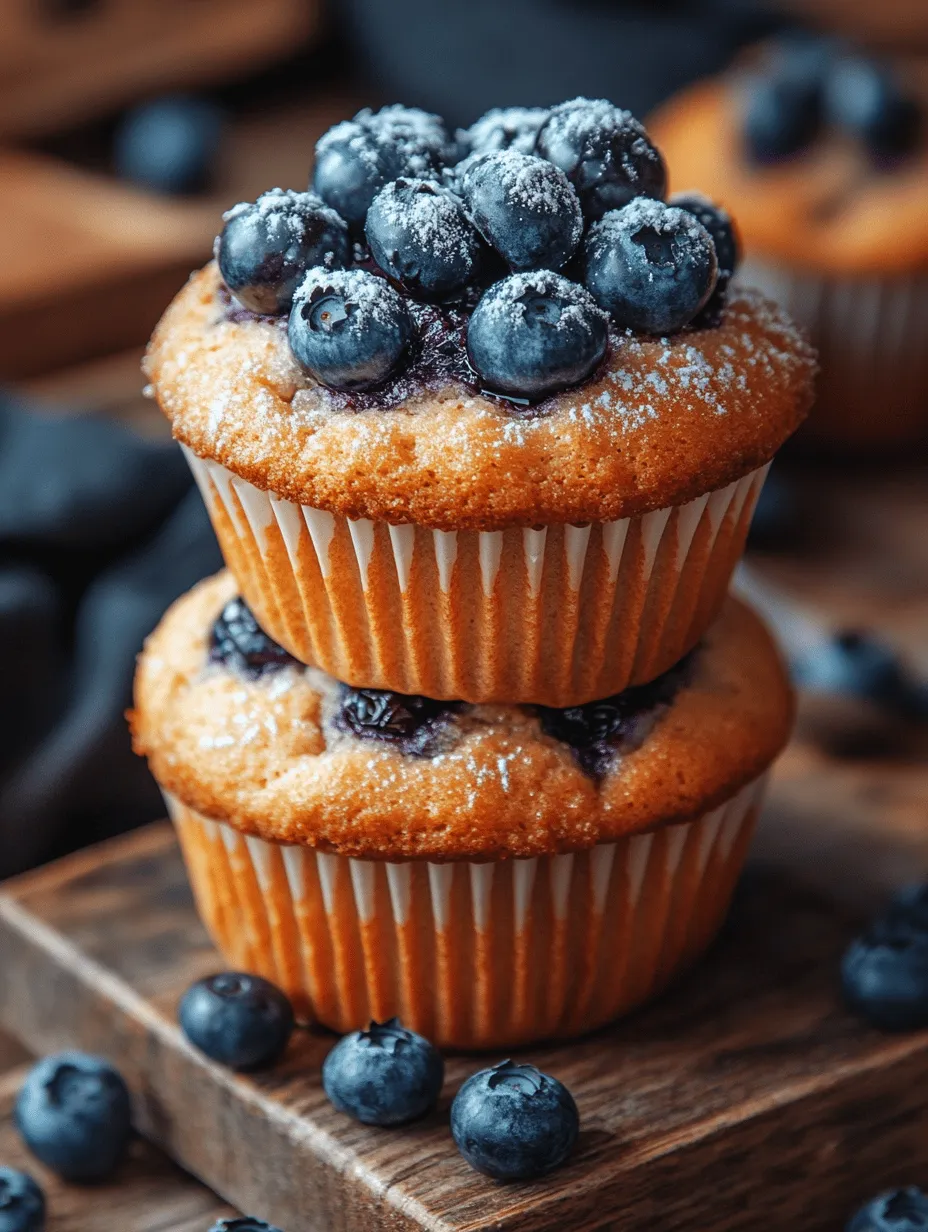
(859, 664)
(909, 906)
(356, 158)
(236, 640)
(22, 1203)
(168, 145)
(245, 1224)
(237, 1019)
(524, 208)
(504, 128)
(408, 720)
(73, 1113)
(604, 152)
(652, 266)
(534, 334)
(884, 975)
(265, 248)
(898, 1210)
(866, 99)
(513, 1122)
(719, 225)
(385, 1075)
(419, 234)
(349, 328)
(783, 115)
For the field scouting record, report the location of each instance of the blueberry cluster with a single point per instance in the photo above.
(541, 226)
(884, 972)
(809, 84)
(409, 721)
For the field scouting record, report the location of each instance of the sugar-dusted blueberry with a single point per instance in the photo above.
(385, 1075)
(266, 247)
(718, 223)
(22, 1202)
(418, 233)
(73, 1112)
(884, 974)
(525, 208)
(504, 128)
(408, 720)
(866, 98)
(651, 266)
(512, 1122)
(534, 334)
(604, 152)
(356, 158)
(897, 1210)
(243, 1224)
(240, 1020)
(238, 641)
(349, 328)
(782, 115)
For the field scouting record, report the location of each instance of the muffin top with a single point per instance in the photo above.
(510, 327)
(824, 155)
(242, 733)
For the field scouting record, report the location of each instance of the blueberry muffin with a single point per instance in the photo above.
(824, 156)
(492, 873)
(489, 429)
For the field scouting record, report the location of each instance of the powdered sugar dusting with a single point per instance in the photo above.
(504, 128)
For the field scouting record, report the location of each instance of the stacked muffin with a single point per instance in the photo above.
(470, 732)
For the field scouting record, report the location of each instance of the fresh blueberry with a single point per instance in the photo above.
(168, 145)
(909, 906)
(604, 152)
(349, 328)
(266, 248)
(534, 334)
(237, 1019)
(245, 1224)
(651, 266)
(504, 128)
(513, 1122)
(22, 1203)
(866, 99)
(73, 1113)
(385, 1075)
(884, 975)
(237, 640)
(719, 225)
(783, 115)
(524, 208)
(898, 1210)
(356, 158)
(411, 721)
(859, 664)
(419, 235)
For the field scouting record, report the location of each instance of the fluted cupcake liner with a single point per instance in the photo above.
(870, 334)
(472, 955)
(554, 615)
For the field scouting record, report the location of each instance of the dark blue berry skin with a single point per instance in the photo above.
(865, 99)
(898, 1210)
(783, 116)
(73, 1113)
(719, 225)
(349, 328)
(168, 145)
(604, 152)
(237, 1019)
(245, 1224)
(513, 1122)
(22, 1203)
(385, 1075)
(859, 664)
(266, 248)
(535, 334)
(411, 722)
(909, 907)
(524, 208)
(237, 641)
(420, 236)
(651, 266)
(884, 975)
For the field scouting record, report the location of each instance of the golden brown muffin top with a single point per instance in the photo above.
(827, 208)
(264, 754)
(664, 421)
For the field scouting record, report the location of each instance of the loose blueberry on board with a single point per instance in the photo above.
(897, 1210)
(783, 115)
(243, 1224)
(356, 158)
(858, 663)
(265, 248)
(604, 152)
(513, 1122)
(535, 334)
(22, 1202)
(405, 719)
(884, 974)
(866, 99)
(504, 128)
(237, 1019)
(168, 145)
(385, 1075)
(349, 328)
(524, 208)
(237, 640)
(651, 266)
(73, 1113)
(419, 235)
